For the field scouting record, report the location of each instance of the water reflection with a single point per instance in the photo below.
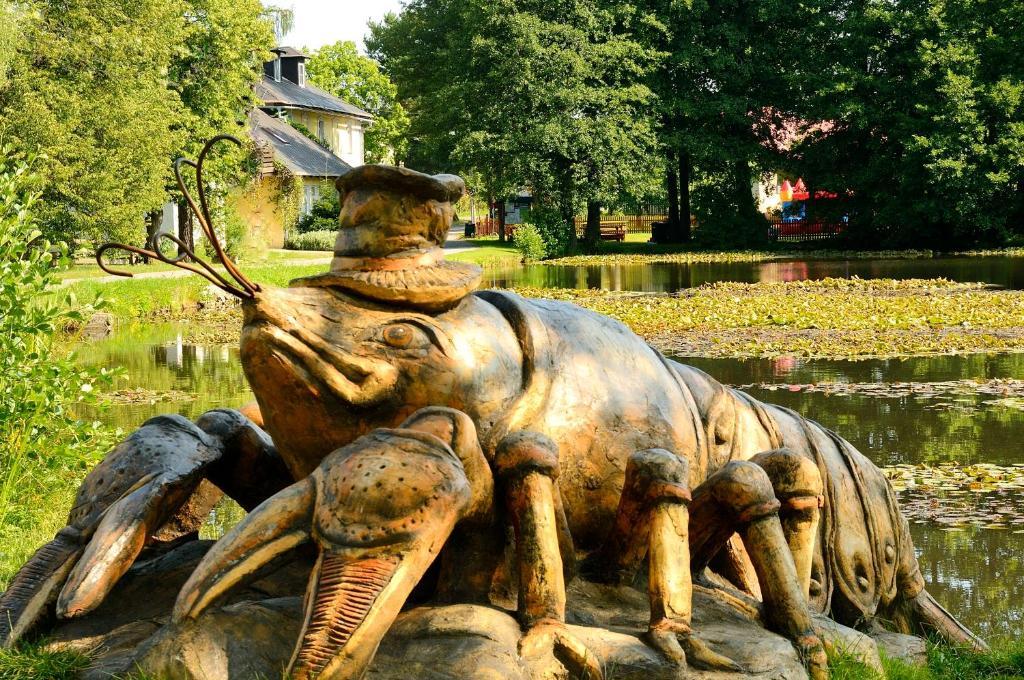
(978, 573)
(154, 357)
(1007, 272)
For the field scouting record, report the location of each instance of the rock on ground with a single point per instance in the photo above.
(254, 633)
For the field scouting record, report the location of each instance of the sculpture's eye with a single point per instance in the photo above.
(402, 336)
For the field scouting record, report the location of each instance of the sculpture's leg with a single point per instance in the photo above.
(147, 488)
(380, 510)
(527, 466)
(652, 521)
(739, 498)
(797, 484)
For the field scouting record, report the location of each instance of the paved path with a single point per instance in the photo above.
(455, 240)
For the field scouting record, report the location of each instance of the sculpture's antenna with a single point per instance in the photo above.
(245, 289)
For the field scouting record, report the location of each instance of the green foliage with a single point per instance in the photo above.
(1004, 662)
(559, 239)
(928, 108)
(323, 216)
(342, 71)
(110, 92)
(307, 133)
(312, 240)
(529, 242)
(526, 93)
(42, 442)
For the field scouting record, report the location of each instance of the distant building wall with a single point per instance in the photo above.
(342, 134)
(258, 207)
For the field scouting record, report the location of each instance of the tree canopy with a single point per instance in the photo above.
(342, 71)
(550, 96)
(107, 93)
(909, 110)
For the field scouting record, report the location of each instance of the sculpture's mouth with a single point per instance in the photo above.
(356, 380)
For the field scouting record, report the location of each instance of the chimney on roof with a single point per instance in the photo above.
(288, 64)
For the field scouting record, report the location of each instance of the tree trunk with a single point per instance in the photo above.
(152, 228)
(752, 226)
(593, 229)
(185, 227)
(671, 182)
(501, 221)
(684, 196)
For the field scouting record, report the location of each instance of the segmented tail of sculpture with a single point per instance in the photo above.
(240, 286)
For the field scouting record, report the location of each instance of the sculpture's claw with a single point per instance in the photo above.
(118, 540)
(702, 656)
(930, 615)
(550, 637)
(386, 504)
(137, 488)
(380, 510)
(276, 526)
(812, 653)
(678, 645)
(36, 585)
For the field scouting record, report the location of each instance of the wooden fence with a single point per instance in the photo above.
(804, 230)
(633, 224)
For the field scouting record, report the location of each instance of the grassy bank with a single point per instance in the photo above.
(829, 318)
(1004, 662)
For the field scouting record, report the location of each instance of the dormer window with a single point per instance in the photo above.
(302, 74)
(277, 70)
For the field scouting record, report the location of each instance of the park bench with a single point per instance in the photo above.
(613, 231)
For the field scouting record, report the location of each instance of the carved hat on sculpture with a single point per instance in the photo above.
(394, 222)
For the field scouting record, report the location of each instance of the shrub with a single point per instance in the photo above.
(312, 240)
(44, 447)
(529, 242)
(324, 213)
(553, 229)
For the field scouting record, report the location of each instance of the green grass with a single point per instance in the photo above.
(33, 662)
(488, 253)
(145, 298)
(89, 270)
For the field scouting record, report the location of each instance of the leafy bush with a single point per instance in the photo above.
(43, 446)
(324, 214)
(529, 242)
(312, 240)
(553, 229)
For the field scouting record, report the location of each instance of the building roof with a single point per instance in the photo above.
(287, 93)
(289, 52)
(294, 150)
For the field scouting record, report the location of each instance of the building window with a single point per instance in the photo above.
(311, 195)
(277, 70)
(302, 74)
(320, 131)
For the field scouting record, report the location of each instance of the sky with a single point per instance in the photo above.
(320, 22)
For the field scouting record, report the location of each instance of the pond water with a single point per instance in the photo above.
(977, 573)
(1007, 272)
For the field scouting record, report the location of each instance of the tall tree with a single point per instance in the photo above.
(88, 89)
(342, 71)
(109, 92)
(538, 94)
(926, 101)
(725, 85)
